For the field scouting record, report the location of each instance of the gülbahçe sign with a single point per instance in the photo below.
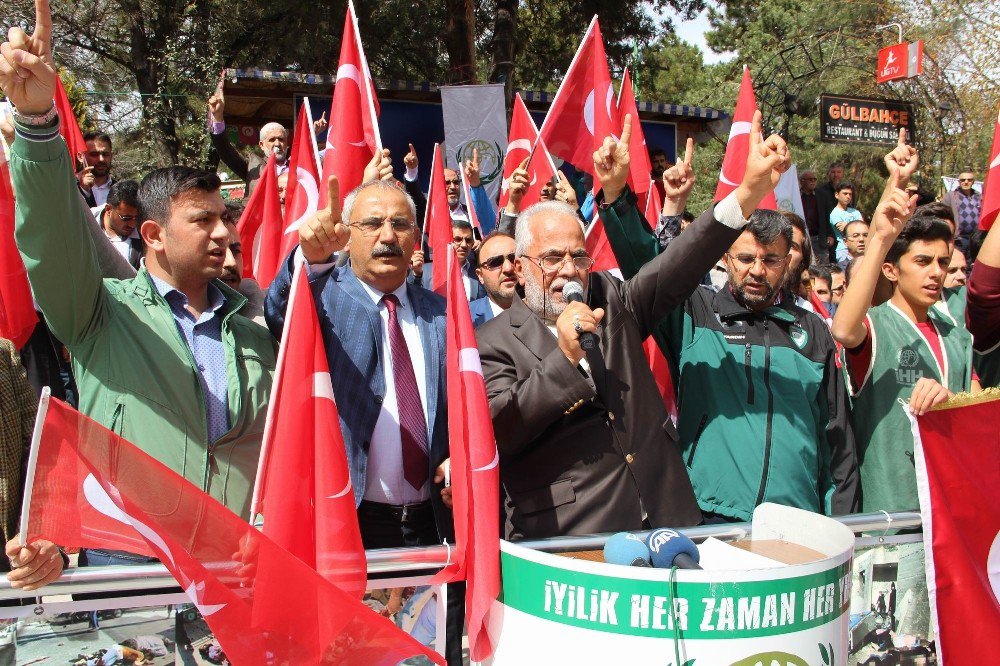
(864, 120)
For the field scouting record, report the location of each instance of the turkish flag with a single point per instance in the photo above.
(734, 163)
(957, 456)
(437, 220)
(261, 228)
(475, 473)
(991, 185)
(653, 206)
(17, 310)
(522, 142)
(302, 191)
(68, 126)
(303, 485)
(94, 489)
(583, 112)
(353, 136)
(640, 167)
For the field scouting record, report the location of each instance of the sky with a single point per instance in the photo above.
(693, 32)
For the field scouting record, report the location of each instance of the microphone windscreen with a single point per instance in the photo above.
(626, 549)
(572, 291)
(665, 545)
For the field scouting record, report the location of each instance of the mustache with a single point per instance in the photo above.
(385, 250)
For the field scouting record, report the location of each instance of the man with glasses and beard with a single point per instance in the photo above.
(762, 404)
(585, 442)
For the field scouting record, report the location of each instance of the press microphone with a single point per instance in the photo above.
(627, 550)
(669, 548)
(573, 293)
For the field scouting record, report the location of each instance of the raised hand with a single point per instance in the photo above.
(325, 232)
(902, 162)
(517, 186)
(565, 191)
(320, 125)
(893, 211)
(27, 73)
(611, 161)
(472, 169)
(410, 160)
(217, 105)
(380, 167)
(678, 180)
(767, 159)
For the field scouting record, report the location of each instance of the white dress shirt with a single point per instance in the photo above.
(100, 192)
(385, 482)
(123, 246)
(494, 308)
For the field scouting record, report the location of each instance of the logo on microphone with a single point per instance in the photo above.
(661, 537)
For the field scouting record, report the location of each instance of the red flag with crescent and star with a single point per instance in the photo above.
(302, 191)
(991, 184)
(261, 227)
(734, 163)
(523, 142)
(303, 485)
(91, 488)
(353, 136)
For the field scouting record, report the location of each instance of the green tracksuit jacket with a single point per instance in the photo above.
(762, 405)
(134, 370)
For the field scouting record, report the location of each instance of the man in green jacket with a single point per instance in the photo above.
(161, 359)
(762, 406)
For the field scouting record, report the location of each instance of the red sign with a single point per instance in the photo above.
(900, 61)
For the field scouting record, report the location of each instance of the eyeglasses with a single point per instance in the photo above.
(771, 262)
(454, 181)
(858, 235)
(553, 262)
(494, 263)
(125, 218)
(463, 240)
(373, 226)
(966, 180)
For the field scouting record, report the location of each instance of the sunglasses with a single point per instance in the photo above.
(494, 263)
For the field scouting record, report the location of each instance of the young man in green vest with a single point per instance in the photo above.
(904, 350)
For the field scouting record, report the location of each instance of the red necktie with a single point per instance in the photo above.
(412, 426)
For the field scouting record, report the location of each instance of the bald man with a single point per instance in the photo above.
(273, 139)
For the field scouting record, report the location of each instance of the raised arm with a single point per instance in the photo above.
(891, 215)
(220, 139)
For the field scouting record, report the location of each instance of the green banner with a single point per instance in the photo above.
(719, 610)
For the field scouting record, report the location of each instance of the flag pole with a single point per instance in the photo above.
(29, 477)
(368, 76)
(258, 484)
(312, 137)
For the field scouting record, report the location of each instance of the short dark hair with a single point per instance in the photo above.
(687, 216)
(124, 192)
(937, 209)
(97, 136)
(833, 268)
(820, 271)
(845, 185)
(847, 226)
(799, 224)
(769, 225)
(653, 152)
(461, 224)
(159, 187)
(234, 210)
(495, 234)
(923, 228)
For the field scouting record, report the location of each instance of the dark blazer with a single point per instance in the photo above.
(419, 200)
(352, 335)
(247, 171)
(426, 280)
(481, 311)
(578, 456)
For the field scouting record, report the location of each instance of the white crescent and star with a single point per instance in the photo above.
(349, 71)
(993, 566)
(305, 180)
(739, 128)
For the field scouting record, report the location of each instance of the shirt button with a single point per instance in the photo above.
(201, 367)
(629, 459)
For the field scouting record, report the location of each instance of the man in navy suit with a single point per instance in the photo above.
(462, 239)
(496, 272)
(385, 342)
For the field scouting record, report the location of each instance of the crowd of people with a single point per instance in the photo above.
(148, 327)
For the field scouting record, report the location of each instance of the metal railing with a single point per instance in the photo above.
(414, 561)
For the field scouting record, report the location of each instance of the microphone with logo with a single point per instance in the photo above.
(669, 548)
(626, 549)
(573, 293)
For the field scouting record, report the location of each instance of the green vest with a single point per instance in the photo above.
(900, 356)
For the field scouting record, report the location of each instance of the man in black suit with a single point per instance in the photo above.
(585, 442)
(273, 139)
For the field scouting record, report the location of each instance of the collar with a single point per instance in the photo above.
(376, 296)
(728, 307)
(220, 295)
(171, 294)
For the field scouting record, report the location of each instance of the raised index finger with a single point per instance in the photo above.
(627, 129)
(689, 151)
(902, 137)
(43, 23)
(756, 130)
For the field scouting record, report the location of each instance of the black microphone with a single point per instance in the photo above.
(573, 293)
(669, 548)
